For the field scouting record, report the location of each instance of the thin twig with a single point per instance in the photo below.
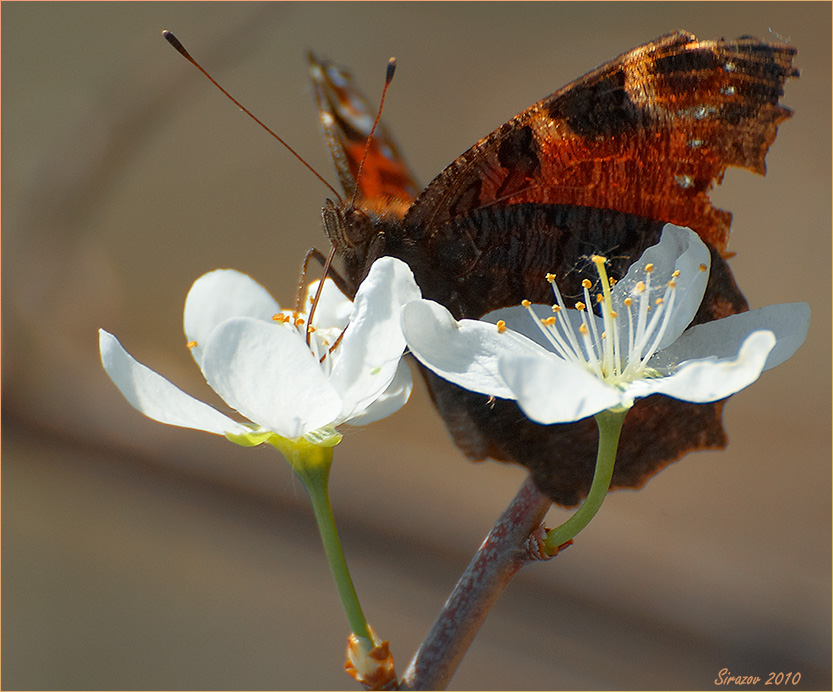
(501, 555)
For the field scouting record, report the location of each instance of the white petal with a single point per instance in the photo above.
(389, 401)
(267, 373)
(678, 249)
(722, 338)
(157, 397)
(218, 296)
(550, 390)
(333, 309)
(711, 379)
(368, 356)
(466, 352)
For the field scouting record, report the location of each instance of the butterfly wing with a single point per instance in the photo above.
(649, 133)
(386, 183)
(597, 167)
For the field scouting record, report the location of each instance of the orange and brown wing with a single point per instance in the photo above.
(649, 133)
(386, 184)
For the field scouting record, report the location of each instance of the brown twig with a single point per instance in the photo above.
(500, 556)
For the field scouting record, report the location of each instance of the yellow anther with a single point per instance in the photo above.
(703, 267)
(583, 329)
(672, 284)
(649, 267)
(191, 344)
(675, 274)
(628, 302)
(599, 297)
(525, 303)
(556, 308)
(299, 321)
(549, 321)
(280, 317)
(580, 306)
(612, 282)
(550, 277)
(659, 301)
(640, 287)
(614, 314)
(586, 283)
(501, 326)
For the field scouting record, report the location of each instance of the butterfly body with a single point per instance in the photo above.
(598, 167)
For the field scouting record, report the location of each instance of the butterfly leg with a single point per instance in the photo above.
(321, 258)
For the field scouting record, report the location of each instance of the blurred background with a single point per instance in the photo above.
(141, 556)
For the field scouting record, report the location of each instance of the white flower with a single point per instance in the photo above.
(569, 364)
(255, 356)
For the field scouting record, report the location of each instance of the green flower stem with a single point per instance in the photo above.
(610, 426)
(312, 465)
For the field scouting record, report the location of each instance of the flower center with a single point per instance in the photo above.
(323, 340)
(618, 349)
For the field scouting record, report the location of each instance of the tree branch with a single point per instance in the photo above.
(500, 556)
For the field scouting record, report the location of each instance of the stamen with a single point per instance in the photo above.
(191, 344)
(580, 306)
(661, 331)
(550, 332)
(501, 326)
(550, 278)
(649, 268)
(585, 285)
(703, 267)
(570, 346)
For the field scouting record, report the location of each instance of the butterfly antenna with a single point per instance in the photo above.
(174, 41)
(388, 79)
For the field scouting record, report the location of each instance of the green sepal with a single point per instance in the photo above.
(251, 439)
(324, 437)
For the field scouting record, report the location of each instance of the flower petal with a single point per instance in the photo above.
(368, 356)
(551, 390)
(333, 309)
(679, 249)
(389, 401)
(156, 397)
(722, 338)
(268, 374)
(466, 352)
(711, 379)
(218, 296)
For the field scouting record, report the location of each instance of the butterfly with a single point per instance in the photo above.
(598, 167)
